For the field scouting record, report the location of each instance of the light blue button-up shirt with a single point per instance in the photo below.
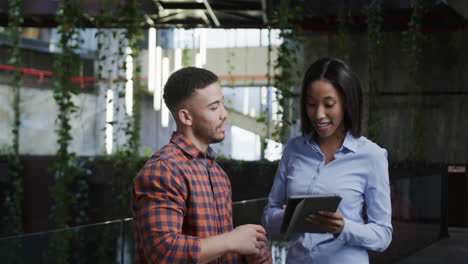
(358, 173)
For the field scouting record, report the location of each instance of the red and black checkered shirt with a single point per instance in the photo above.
(180, 196)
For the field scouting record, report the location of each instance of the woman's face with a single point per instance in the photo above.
(325, 110)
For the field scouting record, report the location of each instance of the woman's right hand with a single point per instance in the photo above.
(332, 222)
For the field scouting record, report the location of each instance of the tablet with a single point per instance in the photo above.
(300, 206)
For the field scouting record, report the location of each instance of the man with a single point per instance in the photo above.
(181, 199)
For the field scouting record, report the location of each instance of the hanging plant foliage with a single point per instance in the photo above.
(134, 35)
(126, 158)
(13, 194)
(374, 44)
(286, 77)
(343, 23)
(413, 40)
(69, 178)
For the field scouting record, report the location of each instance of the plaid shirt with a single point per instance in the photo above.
(180, 196)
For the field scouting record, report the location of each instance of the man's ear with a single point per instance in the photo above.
(185, 117)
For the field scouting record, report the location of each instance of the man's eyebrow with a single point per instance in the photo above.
(215, 102)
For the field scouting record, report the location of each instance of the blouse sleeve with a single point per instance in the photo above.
(377, 233)
(273, 212)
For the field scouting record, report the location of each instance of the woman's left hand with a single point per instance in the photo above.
(332, 222)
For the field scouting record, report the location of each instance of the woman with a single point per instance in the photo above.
(331, 156)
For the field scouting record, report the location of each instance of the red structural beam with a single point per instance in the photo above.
(28, 71)
(85, 80)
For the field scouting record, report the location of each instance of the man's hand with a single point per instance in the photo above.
(264, 257)
(332, 222)
(247, 239)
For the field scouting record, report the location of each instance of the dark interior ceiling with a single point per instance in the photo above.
(319, 15)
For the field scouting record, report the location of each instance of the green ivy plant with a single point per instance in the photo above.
(101, 35)
(265, 114)
(105, 75)
(288, 20)
(374, 44)
(231, 67)
(413, 40)
(65, 168)
(186, 57)
(134, 35)
(344, 40)
(126, 158)
(119, 84)
(14, 193)
(129, 154)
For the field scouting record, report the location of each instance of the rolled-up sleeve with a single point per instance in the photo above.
(158, 203)
(377, 233)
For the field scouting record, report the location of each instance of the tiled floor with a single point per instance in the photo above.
(452, 250)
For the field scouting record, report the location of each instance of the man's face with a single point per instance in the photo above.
(208, 113)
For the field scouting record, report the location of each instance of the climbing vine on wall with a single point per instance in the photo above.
(413, 41)
(231, 67)
(105, 65)
(111, 45)
(374, 44)
(125, 158)
(129, 152)
(286, 77)
(186, 57)
(119, 35)
(110, 68)
(14, 193)
(102, 38)
(134, 35)
(112, 72)
(344, 43)
(65, 169)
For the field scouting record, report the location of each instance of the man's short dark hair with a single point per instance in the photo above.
(345, 82)
(183, 83)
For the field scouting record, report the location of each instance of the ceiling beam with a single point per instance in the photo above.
(212, 14)
(461, 6)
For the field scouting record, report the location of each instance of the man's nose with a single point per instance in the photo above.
(224, 113)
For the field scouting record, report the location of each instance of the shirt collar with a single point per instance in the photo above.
(350, 142)
(188, 147)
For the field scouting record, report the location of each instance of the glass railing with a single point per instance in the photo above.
(419, 213)
(418, 220)
(106, 242)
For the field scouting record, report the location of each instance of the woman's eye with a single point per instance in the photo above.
(329, 105)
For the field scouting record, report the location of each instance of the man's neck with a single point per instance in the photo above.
(190, 136)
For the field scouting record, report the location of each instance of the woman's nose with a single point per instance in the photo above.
(320, 113)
